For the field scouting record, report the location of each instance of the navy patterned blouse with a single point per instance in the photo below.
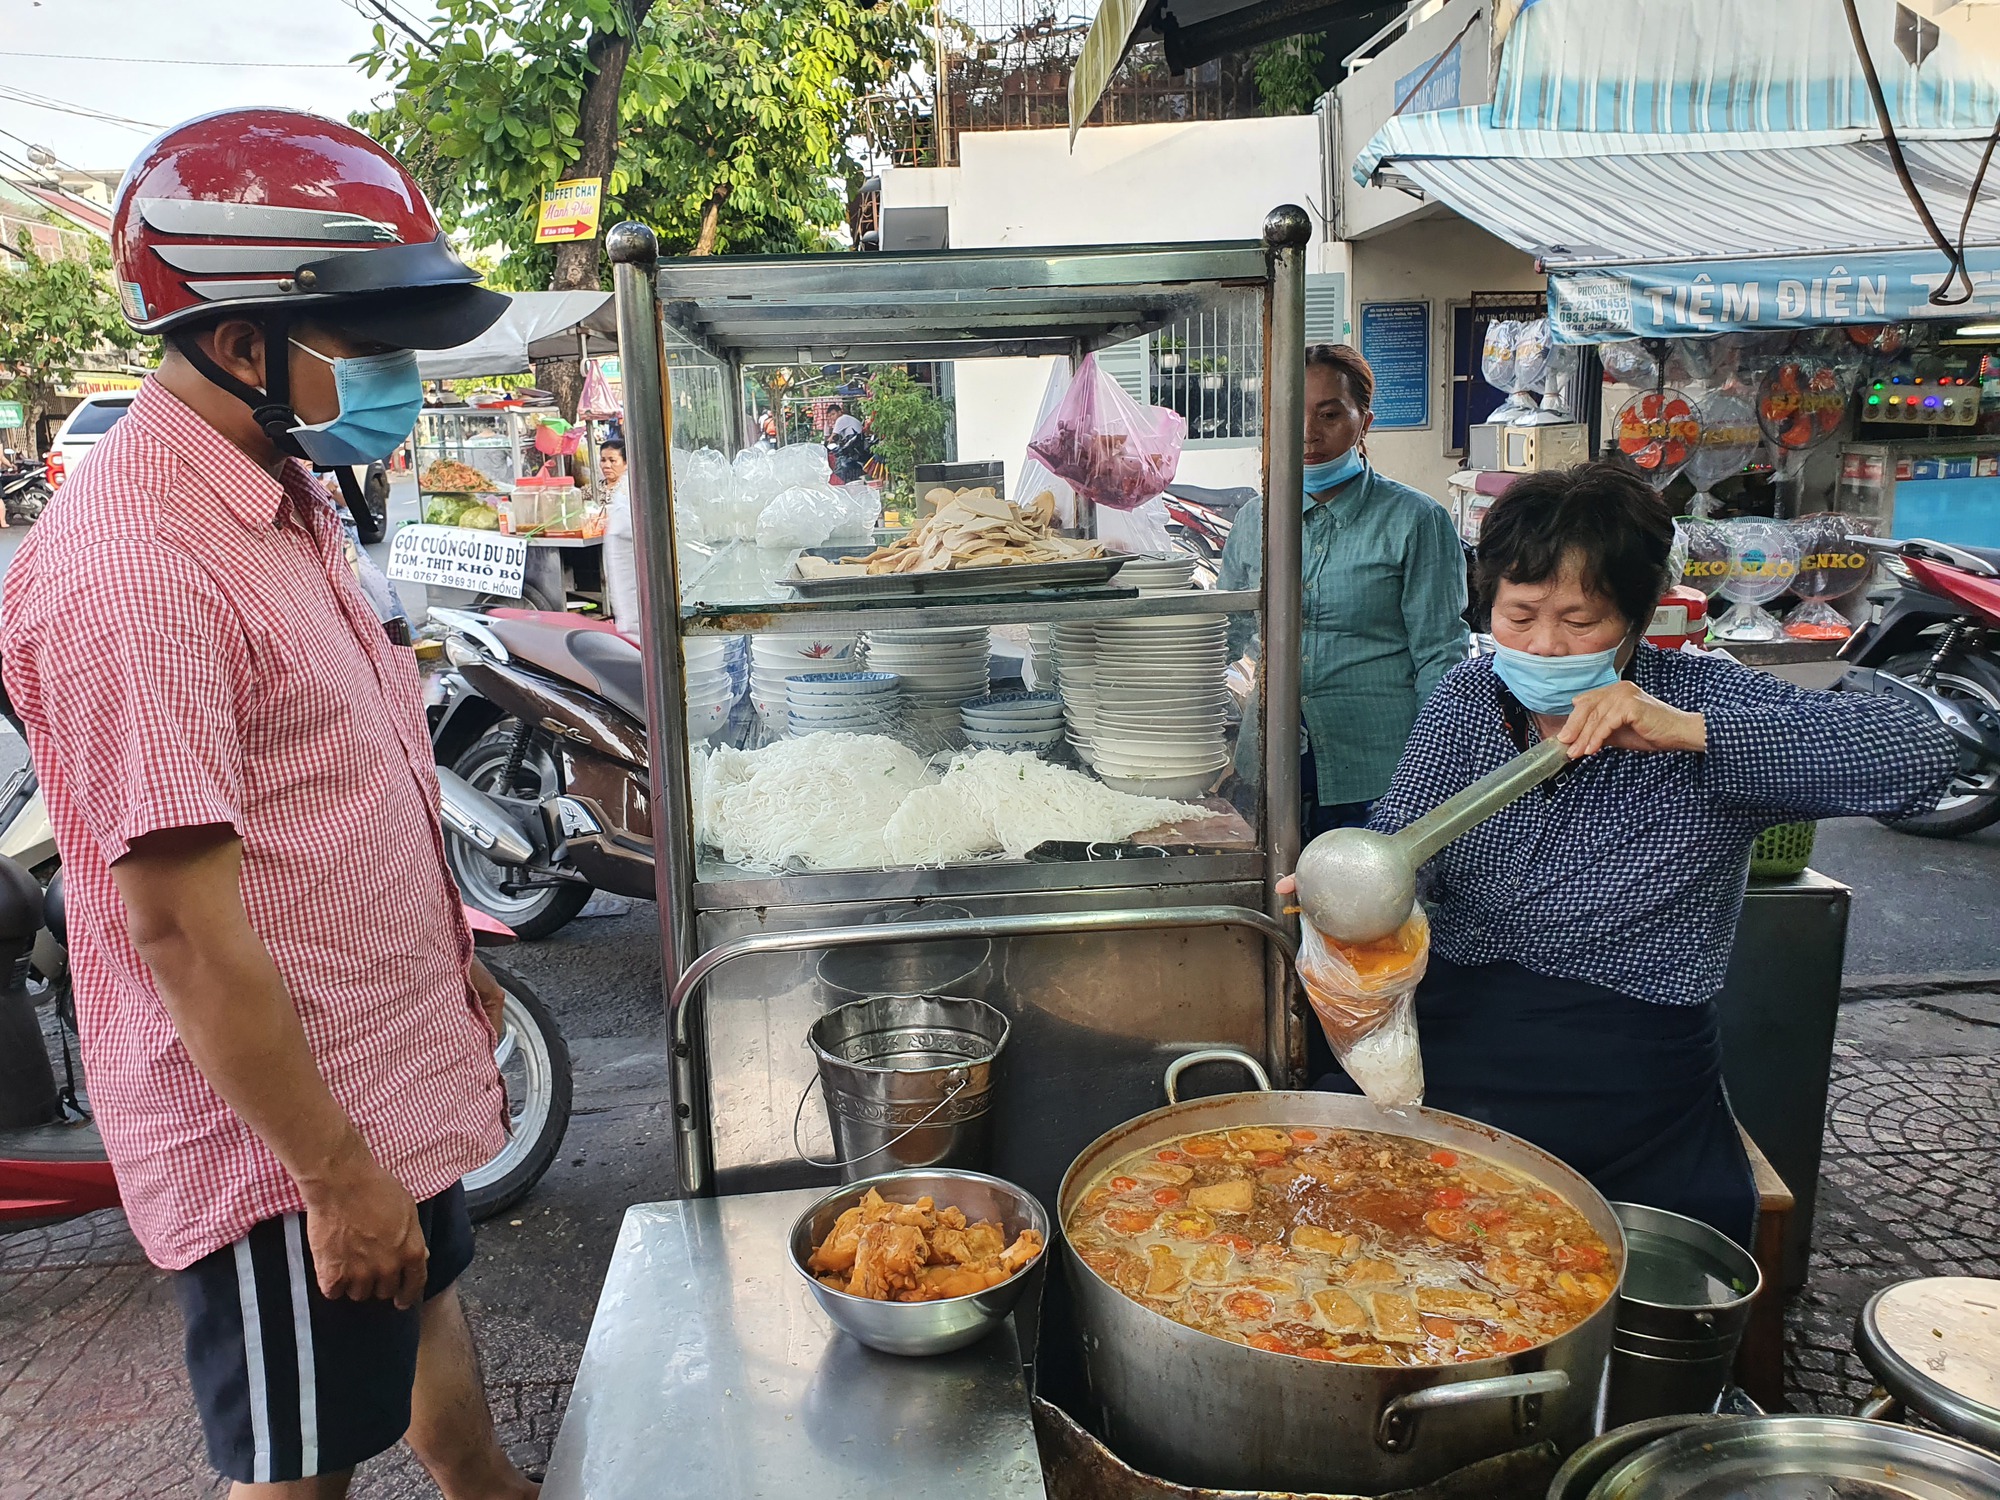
(1627, 870)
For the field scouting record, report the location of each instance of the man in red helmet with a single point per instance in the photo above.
(288, 1040)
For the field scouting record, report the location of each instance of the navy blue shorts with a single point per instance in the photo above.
(290, 1385)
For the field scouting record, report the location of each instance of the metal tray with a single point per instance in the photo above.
(1803, 1458)
(1020, 578)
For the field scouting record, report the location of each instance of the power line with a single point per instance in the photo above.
(181, 62)
(61, 106)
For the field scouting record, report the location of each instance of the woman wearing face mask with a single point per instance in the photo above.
(1384, 592)
(621, 568)
(1579, 937)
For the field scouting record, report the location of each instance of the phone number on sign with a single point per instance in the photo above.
(457, 557)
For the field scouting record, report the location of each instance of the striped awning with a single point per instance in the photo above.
(1677, 176)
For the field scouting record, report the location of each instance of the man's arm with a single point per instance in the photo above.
(184, 911)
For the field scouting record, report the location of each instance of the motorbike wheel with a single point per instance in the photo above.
(1973, 800)
(24, 508)
(532, 913)
(534, 1064)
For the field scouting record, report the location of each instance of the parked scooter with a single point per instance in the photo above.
(52, 1160)
(23, 493)
(1935, 641)
(1199, 521)
(539, 733)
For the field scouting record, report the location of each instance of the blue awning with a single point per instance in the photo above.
(1622, 162)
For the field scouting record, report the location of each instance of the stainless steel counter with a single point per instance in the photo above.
(711, 1372)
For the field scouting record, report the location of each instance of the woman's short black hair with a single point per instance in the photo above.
(612, 445)
(1613, 523)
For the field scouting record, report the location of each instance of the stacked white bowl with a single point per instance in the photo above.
(1073, 653)
(773, 658)
(1158, 572)
(940, 668)
(1014, 721)
(844, 702)
(1041, 657)
(711, 692)
(1159, 703)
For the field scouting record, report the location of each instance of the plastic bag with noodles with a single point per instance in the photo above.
(1115, 451)
(1365, 997)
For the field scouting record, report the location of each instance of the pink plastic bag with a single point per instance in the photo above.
(1115, 451)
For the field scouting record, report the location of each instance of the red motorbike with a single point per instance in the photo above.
(1934, 639)
(52, 1160)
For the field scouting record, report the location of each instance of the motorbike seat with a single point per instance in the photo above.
(1987, 554)
(598, 661)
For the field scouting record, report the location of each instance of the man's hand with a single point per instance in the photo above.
(492, 998)
(1624, 716)
(366, 1241)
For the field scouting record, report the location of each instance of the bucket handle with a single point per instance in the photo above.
(1214, 1054)
(959, 1080)
(1397, 1429)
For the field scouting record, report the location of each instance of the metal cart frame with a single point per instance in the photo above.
(727, 313)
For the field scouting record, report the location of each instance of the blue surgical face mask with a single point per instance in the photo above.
(1335, 471)
(1549, 684)
(380, 397)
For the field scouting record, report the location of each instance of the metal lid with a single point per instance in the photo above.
(1804, 1458)
(1934, 1343)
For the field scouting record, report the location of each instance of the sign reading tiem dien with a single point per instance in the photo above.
(456, 557)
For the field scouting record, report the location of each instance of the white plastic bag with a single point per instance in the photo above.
(1496, 355)
(1036, 477)
(1142, 531)
(1369, 1012)
(803, 516)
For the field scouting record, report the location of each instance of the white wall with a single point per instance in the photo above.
(1442, 260)
(1123, 185)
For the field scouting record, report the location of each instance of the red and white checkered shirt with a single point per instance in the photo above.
(185, 641)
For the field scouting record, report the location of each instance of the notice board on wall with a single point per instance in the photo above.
(1396, 342)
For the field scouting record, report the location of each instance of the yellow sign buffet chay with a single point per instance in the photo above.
(570, 210)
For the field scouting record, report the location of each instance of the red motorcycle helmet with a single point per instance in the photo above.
(281, 210)
(285, 216)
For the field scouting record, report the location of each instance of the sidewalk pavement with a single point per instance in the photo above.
(93, 1400)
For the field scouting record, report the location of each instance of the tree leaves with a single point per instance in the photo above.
(54, 316)
(747, 103)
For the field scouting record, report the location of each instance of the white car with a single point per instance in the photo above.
(94, 416)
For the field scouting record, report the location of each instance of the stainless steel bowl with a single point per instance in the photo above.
(924, 1327)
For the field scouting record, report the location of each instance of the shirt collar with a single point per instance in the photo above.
(256, 498)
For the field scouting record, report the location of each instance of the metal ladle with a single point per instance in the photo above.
(1357, 886)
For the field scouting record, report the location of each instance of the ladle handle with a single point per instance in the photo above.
(1481, 800)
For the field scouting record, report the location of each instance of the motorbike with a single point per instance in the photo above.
(52, 1160)
(538, 729)
(1934, 640)
(1199, 521)
(23, 493)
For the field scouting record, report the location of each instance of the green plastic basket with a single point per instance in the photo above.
(1782, 851)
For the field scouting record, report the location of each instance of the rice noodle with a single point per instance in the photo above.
(820, 801)
(991, 801)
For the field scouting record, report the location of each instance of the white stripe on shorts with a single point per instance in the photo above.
(253, 1360)
(295, 1269)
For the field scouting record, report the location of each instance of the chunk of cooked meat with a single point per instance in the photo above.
(1211, 1265)
(966, 1245)
(1331, 1173)
(1260, 1138)
(1236, 1195)
(1369, 1272)
(888, 1260)
(1324, 1241)
(1456, 1302)
(1169, 1173)
(1395, 1318)
(1165, 1276)
(916, 1252)
(836, 1251)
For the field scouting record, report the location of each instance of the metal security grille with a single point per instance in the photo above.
(1209, 367)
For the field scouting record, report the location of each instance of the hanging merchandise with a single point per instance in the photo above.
(1830, 567)
(1763, 563)
(1729, 440)
(1705, 562)
(1658, 431)
(1692, 361)
(1554, 410)
(1629, 362)
(1800, 402)
(1876, 338)
(557, 438)
(1496, 355)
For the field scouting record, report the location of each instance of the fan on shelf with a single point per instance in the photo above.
(1729, 439)
(1763, 563)
(1704, 548)
(1658, 431)
(1830, 568)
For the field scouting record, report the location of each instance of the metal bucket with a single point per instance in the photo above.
(889, 968)
(1681, 1313)
(907, 1080)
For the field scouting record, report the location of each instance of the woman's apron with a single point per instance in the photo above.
(1627, 1092)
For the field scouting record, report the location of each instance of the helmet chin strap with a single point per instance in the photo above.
(271, 407)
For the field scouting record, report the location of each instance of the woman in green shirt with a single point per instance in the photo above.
(1384, 592)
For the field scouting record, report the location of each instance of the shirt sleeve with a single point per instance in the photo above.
(1434, 597)
(1242, 567)
(138, 682)
(1798, 754)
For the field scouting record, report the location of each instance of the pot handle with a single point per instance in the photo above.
(1214, 1054)
(1397, 1429)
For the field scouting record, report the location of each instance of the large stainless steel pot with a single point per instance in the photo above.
(1203, 1411)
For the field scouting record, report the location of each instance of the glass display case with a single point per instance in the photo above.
(996, 745)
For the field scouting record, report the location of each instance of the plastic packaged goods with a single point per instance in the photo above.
(1365, 998)
(1114, 451)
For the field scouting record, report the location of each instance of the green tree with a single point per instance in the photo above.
(1287, 72)
(55, 315)
(907, 424)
